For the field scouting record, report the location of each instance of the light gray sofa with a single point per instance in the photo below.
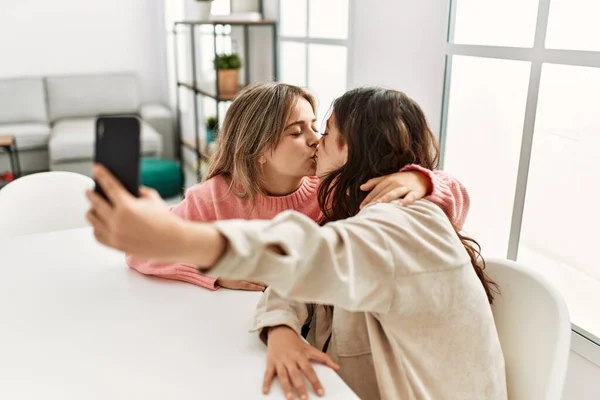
(53, 119)
(23, 114)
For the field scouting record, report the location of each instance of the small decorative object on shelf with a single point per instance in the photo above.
(212, 127)
(228, 66)
(200, 10)
(244, 6)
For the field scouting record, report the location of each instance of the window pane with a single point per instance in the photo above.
(173, 11)
(326, 74)
(485, 125)
(293, 63)
(220, 7)
(559, 234)
(495, 23)
(183, 56)
(573, 25)
(293, 17)
(328, 19)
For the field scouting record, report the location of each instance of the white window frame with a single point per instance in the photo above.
(315, 40)
(583, 342)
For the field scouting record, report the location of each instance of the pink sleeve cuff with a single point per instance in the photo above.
(427, 172)
(447, 192)
(180, 272)
(189, 273)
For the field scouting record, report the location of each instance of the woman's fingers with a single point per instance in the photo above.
(311, 375)
(371, 183)
(102, 209)
(409, 199)
(297, 380)
(236, 284)
(113, 189)
(269, 376)
(100, 230)
(384, 187)
(392, 195)
(149, 192)
(284, 381)
(251, 286)
(324, 359)
(291, 358)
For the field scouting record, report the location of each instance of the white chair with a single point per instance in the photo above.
(44, 202)
(535, 331)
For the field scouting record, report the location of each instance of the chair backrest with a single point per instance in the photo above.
(44, 202)
(535, 331)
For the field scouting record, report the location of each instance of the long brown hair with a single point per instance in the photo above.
(385, 130)
(253, 125)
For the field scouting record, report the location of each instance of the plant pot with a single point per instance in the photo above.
(228, 81)
(241, 6)
(211, 135)
(199, 10)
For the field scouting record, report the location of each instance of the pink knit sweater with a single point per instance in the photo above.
(212, 201)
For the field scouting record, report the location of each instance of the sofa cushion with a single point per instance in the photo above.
(22, 100)
(73, 139)
(91, 95)
(30, 135)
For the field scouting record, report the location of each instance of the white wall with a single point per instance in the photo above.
(39, 37)
(400, 44)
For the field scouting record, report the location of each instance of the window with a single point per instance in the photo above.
(314, 47)
(520, 128)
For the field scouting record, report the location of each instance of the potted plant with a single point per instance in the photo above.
(212, 126)
(200, 11)
(228, 68)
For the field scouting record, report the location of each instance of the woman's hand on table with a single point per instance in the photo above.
(289, 359)
(236, 284)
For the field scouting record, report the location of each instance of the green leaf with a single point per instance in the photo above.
(228, 61)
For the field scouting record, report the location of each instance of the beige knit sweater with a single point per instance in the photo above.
(411, 319)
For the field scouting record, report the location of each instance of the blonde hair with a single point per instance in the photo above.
(253, 125)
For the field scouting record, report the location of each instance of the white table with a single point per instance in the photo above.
(77, 323)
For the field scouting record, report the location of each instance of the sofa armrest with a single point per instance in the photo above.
(160, 118)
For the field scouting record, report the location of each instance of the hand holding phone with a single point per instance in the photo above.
(118, 149)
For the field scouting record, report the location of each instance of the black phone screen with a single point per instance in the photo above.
(118, 149)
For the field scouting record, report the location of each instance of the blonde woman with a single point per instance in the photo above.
(412, 316)
(265, 164)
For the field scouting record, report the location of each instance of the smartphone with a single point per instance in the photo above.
(118, 149)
